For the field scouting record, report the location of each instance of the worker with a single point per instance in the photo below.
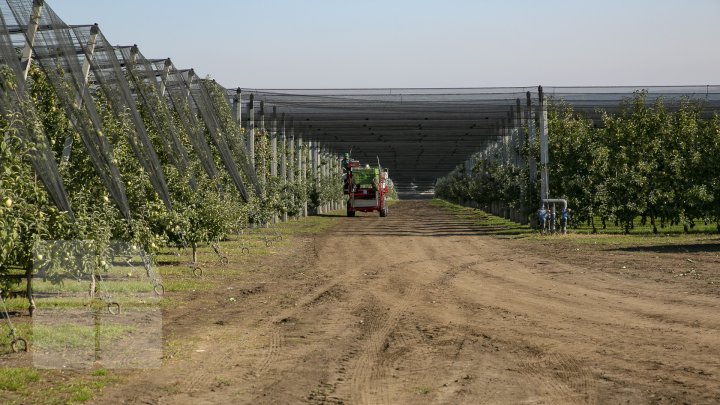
(542, 216)
(565, 216)
(346, 162)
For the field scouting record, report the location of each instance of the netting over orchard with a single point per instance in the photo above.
(422, 134)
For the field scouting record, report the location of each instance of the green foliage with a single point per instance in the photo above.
(643, 162)
(17, 379)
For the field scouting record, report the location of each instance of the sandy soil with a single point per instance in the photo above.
(421, 307)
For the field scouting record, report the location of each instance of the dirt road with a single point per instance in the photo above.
(421, 307)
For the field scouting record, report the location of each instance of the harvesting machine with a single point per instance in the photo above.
(366, 187)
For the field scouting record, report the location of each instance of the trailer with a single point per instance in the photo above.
(366, 188)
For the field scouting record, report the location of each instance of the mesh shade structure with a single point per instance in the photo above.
(232, 130)
(224, 132)
(58, 53)
(203, 103)
(423, 134)
(111, 78)
(14, 100)
(145, 82)
(179, 96)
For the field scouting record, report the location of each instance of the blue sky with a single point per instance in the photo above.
(419, 43)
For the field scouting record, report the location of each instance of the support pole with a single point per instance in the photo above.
(521, 142)
(273, 144)
(532, 142)
(251, 130)
(33, 23)
(263, 162)
(544, 155)
(302, 176)
(283, 162)
(237, 107)
(190, 77)
(315, 175)
(89, 53)
(164, 76)
(291, 148)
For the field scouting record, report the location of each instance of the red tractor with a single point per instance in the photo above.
(366, 187)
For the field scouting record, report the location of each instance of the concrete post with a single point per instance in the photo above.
(522, 142)
(283, 161)
(315, 175)
(164, 76)
(324, 168)
(273, 144)
(263, 162)
(291, 148)
(237, 107)
(32, 28)
(283, 151)
(532, 141)
(544, 155)
(302, 172)
(251, 130)
(90, 52)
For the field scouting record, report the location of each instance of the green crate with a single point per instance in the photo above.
(362, 176)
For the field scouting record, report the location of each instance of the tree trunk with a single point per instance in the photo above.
(654, 227)
(92, 287)
(194, 253)
(31, 300)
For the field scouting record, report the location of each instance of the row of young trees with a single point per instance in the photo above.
(658, 162)
(204, 208)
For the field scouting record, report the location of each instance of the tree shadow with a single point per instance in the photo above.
(683, 248)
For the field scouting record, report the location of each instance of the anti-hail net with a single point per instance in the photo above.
(234, 138)
(111, 78)
(201, 101)
(179, 95)
(14, 101)
(60, 56)
(423, 134)
(148, 90)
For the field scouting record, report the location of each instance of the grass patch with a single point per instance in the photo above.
(488, 224)
(73, 336)
(17, 379)
(84, 390)
(612, 236)
(186, 284)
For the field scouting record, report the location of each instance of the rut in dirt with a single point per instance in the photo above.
(425, 307)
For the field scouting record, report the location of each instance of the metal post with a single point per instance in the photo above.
(544, 156)
(33, 23)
